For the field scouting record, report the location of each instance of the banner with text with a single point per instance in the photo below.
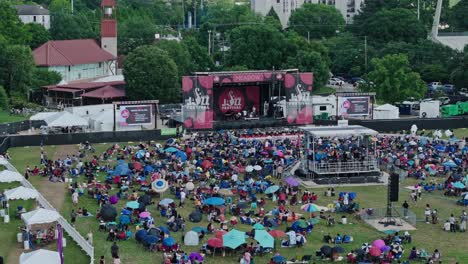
(135, 115)
(197, 110)
(233, 100)
(299, 107)
(354, 106)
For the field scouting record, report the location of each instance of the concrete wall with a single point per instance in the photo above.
(82, 71)
(43, 20)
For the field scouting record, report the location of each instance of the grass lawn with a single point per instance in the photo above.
(324, 90)
(5, 117)
(427, 236)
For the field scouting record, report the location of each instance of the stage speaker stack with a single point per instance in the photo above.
(394, 187)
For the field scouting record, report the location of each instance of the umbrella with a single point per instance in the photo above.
(257, 167)
(133, 205)
(171, 150)
(160, 185)
(195, 217)
(277, 233)
(181, 155)
(279, 153)
(200, 229)
(292, 181)
(258, 226)
(338, 249)
(124, 219)
(233, 239)
(249, 168)
(169, 242)
(215, 242)
(137, 166)
(272, 189)
(108, 213)
(126, 212)
(301, 223)
(145, 214)
(375, 251)
(206, 164)
(326, 250)
(114, 199)
(242, 205)
(264, 239)
(450, 164)
(459, 185)
(397, 249)
(219, 234)
(191, 238)
(366, 247)
(164, 229)
(148, 240)
(279, 259)
(225, 192)
(166, 202)
(196, 256)
(314, 221)
(310, 208)
(190, 186)
(214, 201)
(140, 235)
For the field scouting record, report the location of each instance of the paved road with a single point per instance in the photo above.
(347, 87)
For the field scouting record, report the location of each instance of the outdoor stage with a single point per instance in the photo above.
(236, 100)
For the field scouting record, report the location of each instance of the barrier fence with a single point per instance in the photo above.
(71, 231)
(397, 212)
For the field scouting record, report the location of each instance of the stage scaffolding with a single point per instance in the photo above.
(339, 168)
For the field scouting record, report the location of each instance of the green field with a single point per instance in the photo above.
(426, 236)
(5, 117)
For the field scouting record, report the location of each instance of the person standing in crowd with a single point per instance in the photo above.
(427, 213)
(73, 217)
(405, 209)
(414, 196)
(182, 198)
(115, 251)
(452, 223)
(463, 219)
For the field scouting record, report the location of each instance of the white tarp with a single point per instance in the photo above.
(40, 216)
(10, 176)
(42, 115)
(386, 111)
(21, 193)
(40, 256)
(66, 119)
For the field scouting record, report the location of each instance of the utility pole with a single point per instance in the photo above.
(183, 12)
(72, 4)
(365, 52)
(209, 42)
(419, 12)
(195, 13)
(308, 36)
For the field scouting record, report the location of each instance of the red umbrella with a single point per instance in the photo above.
(137, 166)
(219, 234)
(277, 233)
(215, 242)
(375, 251)
(206, 164)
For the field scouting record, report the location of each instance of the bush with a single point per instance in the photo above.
(3, 98)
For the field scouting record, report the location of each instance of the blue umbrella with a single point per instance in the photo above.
(181, 155)
(459, 185)
(166, 201)
(199, 229)
(171, 150)
(450, 164)
(133, 205)
(148, 168)
(214, 201)
(121, 169)
(140, 154)
(151, 239)
(272, 189)
(126, 212)
(164, 229)
(169, 242)
(124, 219)
(233, 239)
(279, 259)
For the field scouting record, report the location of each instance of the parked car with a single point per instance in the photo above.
(463, 92)
(449, 88)
(444, 100)
(433, 86)
(335, 82)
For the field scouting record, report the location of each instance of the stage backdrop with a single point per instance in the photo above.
(197, 110)
(299, 109)
(232, 100)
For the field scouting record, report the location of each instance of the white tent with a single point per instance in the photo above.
(65, 119)
(386, 111)
(40, 256)
(3, 161)
(40, 216)
(42, 115)
(21, 193)
(10, 176)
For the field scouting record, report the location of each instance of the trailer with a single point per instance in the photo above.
(324, 107)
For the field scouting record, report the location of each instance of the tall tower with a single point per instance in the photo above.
(109, 28)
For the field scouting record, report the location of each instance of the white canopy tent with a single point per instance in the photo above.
(10, 176)
(3, 161)
(40, 216)
(65, 119)
(21, 193)
(40, 256)
(42, 115)
(338, 131)
(386, 111)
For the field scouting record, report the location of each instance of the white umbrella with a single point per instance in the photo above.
(10, 176)
(249, 168)
(190, 186)
(160, 185)
(257, 167)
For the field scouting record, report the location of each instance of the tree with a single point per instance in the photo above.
(135, 32)
(43, 77)
(458, 17)
(459, 76)
(11, 29)
(198, 54)
(316, 21)
(39, 35)
(347, 54)
(77, 26)
(60, 6)
(393, 25)
(393, 80)
(16, 69)
(179, 53)
(257, 47)
(311, 61)
(3, 99)
(151, 74)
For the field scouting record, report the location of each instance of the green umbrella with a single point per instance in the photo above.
(301, 223)
(314, 221)
(233, 239)
(264, 239)
(272, 189)
(258, 226)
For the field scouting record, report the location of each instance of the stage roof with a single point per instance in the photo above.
(242, 72)
(338, 131)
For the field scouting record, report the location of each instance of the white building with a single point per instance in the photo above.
(33, 14)
(284, 8)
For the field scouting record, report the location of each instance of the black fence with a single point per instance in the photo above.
(15, 127)
(395, 125)
(76, 138)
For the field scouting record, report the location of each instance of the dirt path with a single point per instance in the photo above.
(55, 192)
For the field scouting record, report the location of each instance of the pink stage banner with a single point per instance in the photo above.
(299, 106)
(197, 110)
